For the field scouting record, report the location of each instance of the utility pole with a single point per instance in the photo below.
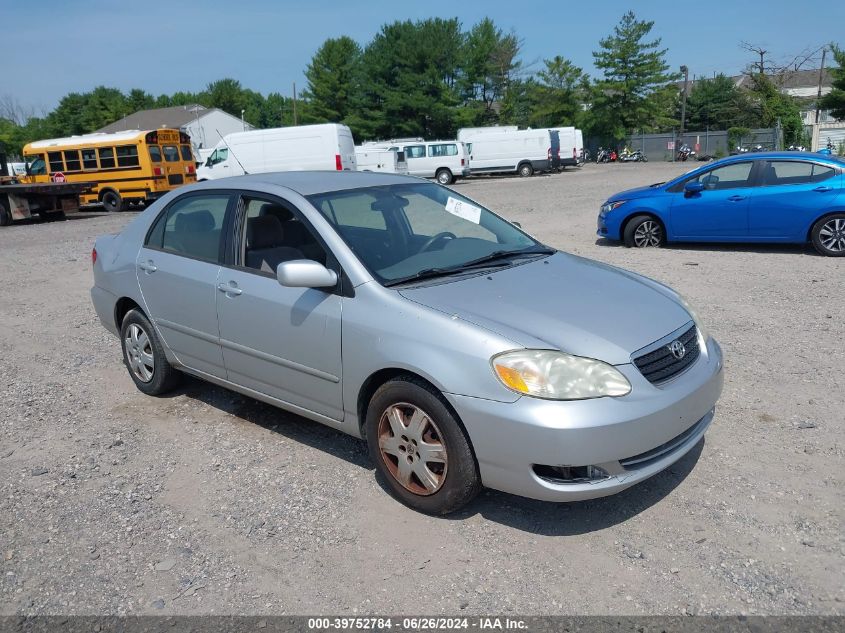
(821, 78)
(294, 103)
(684, 70)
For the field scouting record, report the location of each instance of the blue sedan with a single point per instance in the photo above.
(779, 197)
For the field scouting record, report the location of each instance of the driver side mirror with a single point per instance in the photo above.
(305, 273)
(694, 186)
(516, 224)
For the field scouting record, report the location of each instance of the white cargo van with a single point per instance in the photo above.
(464, 132)
(522, 152)
(579, 143)
(568, 146)
(371, 158)
(328, 146)
(444, 160)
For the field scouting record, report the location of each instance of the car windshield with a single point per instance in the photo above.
(410, 231)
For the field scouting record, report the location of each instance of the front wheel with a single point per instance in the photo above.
(444, 177)
(526, 170)
(644, 231)
(144, 356)
(828, 235)
(419, 448)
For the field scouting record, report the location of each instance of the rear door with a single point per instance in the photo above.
(720, 211)
(177, 271)
(417, 161)
(792, 194)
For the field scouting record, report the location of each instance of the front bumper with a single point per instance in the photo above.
(632, 437)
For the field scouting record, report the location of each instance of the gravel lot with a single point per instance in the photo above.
(208, 502)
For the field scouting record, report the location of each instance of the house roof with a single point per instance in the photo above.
(786, 80)
(173, 117)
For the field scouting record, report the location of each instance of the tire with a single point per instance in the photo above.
(525, 170)
(112, 202)
(444, 177)
(828, 235)
(644, 159)
(5, 215)
(644, 231)
(144, 356)
(450, 479)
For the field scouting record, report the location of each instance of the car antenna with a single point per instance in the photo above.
(222, 138)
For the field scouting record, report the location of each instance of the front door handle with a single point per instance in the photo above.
(148, 267)
(736, 198)
(822, 188)
(230, 289)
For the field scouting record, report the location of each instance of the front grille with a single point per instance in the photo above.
(649, 457)
(661, 365)
(175, 179)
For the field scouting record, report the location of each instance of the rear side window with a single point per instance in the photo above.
(127, 156)
(89, 159)
(785, 172)
(192, 226)
(72, 160)
(106, 157)
(445, 149)
(415, 151)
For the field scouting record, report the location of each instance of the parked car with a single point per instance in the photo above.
(326, 146)
(786, 197)
(401, 312)
(445, 161)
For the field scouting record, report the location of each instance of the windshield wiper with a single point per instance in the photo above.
(426, 273)
(499, 255)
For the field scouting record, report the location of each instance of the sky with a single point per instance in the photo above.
(53, 47)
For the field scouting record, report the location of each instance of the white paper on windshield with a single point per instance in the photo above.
(468, 212)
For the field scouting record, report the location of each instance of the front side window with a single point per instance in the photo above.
(218, 156)
(171, 153)
(406, 230)
(89, 158)
(56, 162)
(274, 234)
(728, 177)
(444, 149)
(192, 226)
(106, 157)
(127, 156)
(36, 165)
(784, 172)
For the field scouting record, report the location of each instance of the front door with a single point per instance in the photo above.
(177, 271)
(720, 211)
(279, 341)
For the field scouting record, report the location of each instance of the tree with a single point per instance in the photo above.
(717, 104)
(226, 94)
(559, 93)
(835, 99)
(333, 75)
(773, 107)
(635, 89)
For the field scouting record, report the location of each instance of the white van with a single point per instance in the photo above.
(465, 132)
(328, 146)
(522, 152)
(371, 158)
(568, 146)
(579, 143)
(444, 160)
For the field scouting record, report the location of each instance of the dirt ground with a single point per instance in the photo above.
(112, 502)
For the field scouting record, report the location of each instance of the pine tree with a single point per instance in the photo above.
(835, 99)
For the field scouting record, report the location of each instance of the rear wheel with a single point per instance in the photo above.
(526, 170)
(112, 202)
(419, 448)
(828, 235)
(444, 177)
(144, 356)
(644, 231)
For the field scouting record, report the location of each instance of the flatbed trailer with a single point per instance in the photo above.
(48, 200)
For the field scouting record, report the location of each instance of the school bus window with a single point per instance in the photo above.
(72, 160)
(171, 153)
(106, 158)
(127, 156)
(155, 153)
(56, 163)
(89, 159)
(186, 153)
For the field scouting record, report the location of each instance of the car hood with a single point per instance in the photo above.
(636, 193)
(563, 302)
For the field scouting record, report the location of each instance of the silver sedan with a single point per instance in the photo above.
(465, 352)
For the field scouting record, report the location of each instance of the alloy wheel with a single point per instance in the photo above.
(648, 233)
(832, 235)
(139, 353)
(412, 448)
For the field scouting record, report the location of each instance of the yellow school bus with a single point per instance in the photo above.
(127, 167)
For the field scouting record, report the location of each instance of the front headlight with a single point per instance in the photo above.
(696, 319)
(554, 375)
(607, 207)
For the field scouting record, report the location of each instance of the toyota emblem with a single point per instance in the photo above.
(677, 348)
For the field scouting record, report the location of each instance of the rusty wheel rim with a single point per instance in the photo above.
(411, 447)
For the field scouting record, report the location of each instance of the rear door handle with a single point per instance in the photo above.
(148, 267)
(230, 289)
(822, 188)
(736, 198)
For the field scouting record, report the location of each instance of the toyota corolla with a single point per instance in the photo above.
(462, 350)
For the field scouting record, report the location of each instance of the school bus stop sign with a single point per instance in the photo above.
(58, 177)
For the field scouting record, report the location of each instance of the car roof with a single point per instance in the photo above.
(784, 156)
(307, 183)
